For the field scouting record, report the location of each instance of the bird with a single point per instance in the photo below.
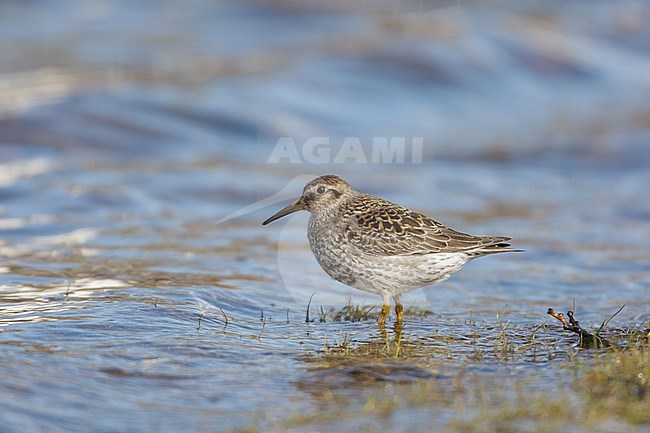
(377, 246)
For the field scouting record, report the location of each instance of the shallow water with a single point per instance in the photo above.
(138, 289)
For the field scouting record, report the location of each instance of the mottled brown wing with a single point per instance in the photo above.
(381, 228)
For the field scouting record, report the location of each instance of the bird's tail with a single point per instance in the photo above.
(493, 245)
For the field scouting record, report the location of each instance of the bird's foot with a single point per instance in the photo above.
(385, 310)
(399, 309)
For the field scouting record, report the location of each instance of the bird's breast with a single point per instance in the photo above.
(329, 244)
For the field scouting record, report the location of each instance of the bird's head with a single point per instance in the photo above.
(322, 195)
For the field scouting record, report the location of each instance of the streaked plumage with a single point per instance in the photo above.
(377, 246)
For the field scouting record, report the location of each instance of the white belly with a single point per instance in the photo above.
(378, 274)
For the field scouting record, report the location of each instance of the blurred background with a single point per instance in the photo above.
(129, 128)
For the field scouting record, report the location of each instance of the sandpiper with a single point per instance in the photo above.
(380, 247)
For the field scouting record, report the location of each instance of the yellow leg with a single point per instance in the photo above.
(385, 310)
(399, 309)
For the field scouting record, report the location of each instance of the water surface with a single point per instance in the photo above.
(127, 132)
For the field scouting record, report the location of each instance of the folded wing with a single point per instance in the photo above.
(381, 228)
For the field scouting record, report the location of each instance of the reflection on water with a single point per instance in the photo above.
(43, 304)
(127, 132)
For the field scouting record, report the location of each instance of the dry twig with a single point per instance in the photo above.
(587, 339)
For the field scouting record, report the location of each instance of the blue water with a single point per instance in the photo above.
(138, 289)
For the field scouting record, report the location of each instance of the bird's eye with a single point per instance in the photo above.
(321, 190)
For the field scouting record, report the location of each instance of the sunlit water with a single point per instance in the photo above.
(138, 289)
